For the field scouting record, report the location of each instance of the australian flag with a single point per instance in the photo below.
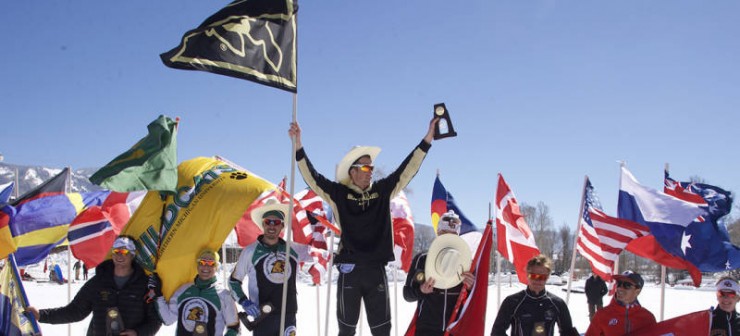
(705, 241)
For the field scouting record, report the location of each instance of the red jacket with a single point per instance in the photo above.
(616, 319)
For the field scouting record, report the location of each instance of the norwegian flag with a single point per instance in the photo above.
(403, 230)
(515, 240)
(93, 231)
(247, 231)
(602, 238)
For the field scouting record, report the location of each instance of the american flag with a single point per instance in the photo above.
(602, 238)
(515, 240)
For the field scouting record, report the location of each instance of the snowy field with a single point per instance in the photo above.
(678, 301)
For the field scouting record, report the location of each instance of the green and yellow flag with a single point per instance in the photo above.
(169, 232)
(151, 164)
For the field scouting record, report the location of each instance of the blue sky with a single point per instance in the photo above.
(544, 92)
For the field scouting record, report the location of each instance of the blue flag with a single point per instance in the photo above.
(13, 319)
(442, 201)
(707, 242)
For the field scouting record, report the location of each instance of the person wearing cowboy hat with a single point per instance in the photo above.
(624, 314)
(435, 306)
(118, 283)
(534, 311)
(725, 319)
(202, 307)
(362, 209)
(264, 263)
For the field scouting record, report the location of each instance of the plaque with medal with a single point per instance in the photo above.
(113, 322)
(265, 310)
(443, 128)
(200, 329)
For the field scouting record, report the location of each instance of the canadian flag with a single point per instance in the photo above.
(515, 240)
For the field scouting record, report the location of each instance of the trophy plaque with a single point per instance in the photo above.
(443, 128)
(200, 329)
(113, 322)
(419, 277)
(265, 310)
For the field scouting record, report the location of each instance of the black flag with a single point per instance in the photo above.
(249, 39)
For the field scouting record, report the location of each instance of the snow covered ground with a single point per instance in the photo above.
(678, 301)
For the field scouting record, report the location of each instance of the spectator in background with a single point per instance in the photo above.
(725, 320)
(84, 271)
(77, 267)
(595, 291)
(624, 314)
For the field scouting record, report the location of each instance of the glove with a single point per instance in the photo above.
(155, 287)
(250, 307)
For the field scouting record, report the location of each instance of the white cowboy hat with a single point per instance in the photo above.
(448, 257)
(352, 156)
(270, 205)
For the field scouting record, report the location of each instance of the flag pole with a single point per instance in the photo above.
(662, 267)
(616, 262)
(575, 241)
(67, 190)
(289, 224)
(329, 279)
(498, 260)
(395, 297)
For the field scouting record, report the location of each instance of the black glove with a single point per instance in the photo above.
(155, 287)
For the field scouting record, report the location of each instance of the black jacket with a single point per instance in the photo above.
(434, 309)
(724, 323)
(526, 311)
(364, 215)
(595, 289)
(100, 293)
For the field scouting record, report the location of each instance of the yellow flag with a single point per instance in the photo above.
(211, 197)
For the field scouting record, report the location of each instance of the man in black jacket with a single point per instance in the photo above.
(362, 209)
(534, 311)
(725, 319)
(119, 283)
(595, 291)
(434, 306)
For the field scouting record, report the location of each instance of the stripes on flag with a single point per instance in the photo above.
(602, 238)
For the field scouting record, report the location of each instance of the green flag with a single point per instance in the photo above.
(151, 164)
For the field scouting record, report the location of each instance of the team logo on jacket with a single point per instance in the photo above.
(275, 268)
(613, 322)
(194, 310)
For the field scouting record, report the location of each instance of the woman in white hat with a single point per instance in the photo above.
(362, 209)
(264, 264)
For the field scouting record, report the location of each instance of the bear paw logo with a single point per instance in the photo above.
(238, 176)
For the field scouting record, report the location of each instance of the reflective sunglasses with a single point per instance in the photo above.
(535, 276)
(206, 262)
(368, 168)
(626, 284)
(272, 221)
(121, 251)
(724, 294)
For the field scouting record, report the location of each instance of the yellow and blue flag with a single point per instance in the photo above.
(170, 231)
(13, 319)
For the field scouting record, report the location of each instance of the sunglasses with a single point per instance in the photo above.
(626, 284)
(206, 262)
(535, 276)
(724, 294)
(272, 221)
(368, 168)
(121, 251)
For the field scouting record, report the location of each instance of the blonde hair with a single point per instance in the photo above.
(540, 260)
